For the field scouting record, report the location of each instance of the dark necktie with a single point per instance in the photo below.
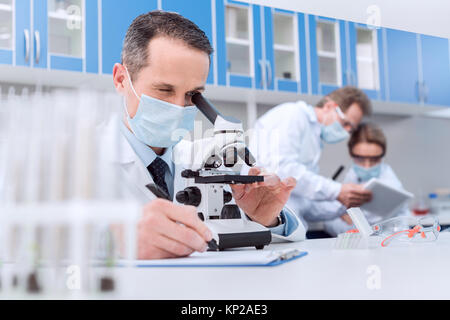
(158, 170)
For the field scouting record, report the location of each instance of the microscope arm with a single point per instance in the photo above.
(223, 125)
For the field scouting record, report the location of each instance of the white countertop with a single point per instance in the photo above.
(418, 271)
(400, 271)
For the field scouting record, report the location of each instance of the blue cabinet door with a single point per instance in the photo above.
(200, 14)
(274, 82)
(436, 70)
(318, 85)
(225, 75)
(117, 15)
(262, 74)
(402, 63)
(32, 37)
(378, 56)
(23, 36)
(80, 52)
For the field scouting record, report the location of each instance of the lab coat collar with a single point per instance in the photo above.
(135, 173)
(110, 133)
(144, 152)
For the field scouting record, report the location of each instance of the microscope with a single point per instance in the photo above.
(216, 163)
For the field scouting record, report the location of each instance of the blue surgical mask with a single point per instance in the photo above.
(334, 133)
(160, 124)
(365, 174)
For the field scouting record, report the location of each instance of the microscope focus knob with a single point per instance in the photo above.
(190, 196)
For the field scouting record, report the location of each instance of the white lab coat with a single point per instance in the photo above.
(136, 175)
(286, 140)
(331, 211)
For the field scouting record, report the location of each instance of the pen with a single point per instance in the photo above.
(161, 194)
(338, 172)
(158, 192)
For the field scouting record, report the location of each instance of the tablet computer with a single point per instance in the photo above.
(385, 199)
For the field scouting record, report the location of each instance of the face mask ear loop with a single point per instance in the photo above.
(131, 84)
(134, 91)
(340, 113)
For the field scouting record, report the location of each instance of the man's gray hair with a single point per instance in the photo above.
(159, 23)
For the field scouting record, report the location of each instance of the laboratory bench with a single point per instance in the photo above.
(399, 271)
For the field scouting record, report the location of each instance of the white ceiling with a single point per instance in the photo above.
(431, 17)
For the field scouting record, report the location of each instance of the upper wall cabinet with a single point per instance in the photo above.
(285, 50)
(403, 66)
(435, 80)
(66, 25)
(260, 47)
(50, 34)
(365, 65)
(328, 54)
(256, 47)
(419, 68)
(235, 45)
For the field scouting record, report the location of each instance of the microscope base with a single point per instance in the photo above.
(239, 233)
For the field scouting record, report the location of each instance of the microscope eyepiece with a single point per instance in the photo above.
(208, 110)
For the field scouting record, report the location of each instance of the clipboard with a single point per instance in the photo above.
(235, 258)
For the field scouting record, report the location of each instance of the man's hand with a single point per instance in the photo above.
(167, 230)
(354, 195)
(263, 201)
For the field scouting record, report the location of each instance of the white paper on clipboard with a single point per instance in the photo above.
(385, 199)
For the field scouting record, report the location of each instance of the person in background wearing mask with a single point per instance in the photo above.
(367, 147)
(289, 139)
(165, 61)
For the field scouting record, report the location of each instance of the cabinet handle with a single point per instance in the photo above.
(37, 38)
(263, 74)
(269, 71)
(353, 80)
(26, 33)
(421, 91)
(348, 75)
(418, 94)
(425, 92)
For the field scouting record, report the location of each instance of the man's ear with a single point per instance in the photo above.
(119, 76)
